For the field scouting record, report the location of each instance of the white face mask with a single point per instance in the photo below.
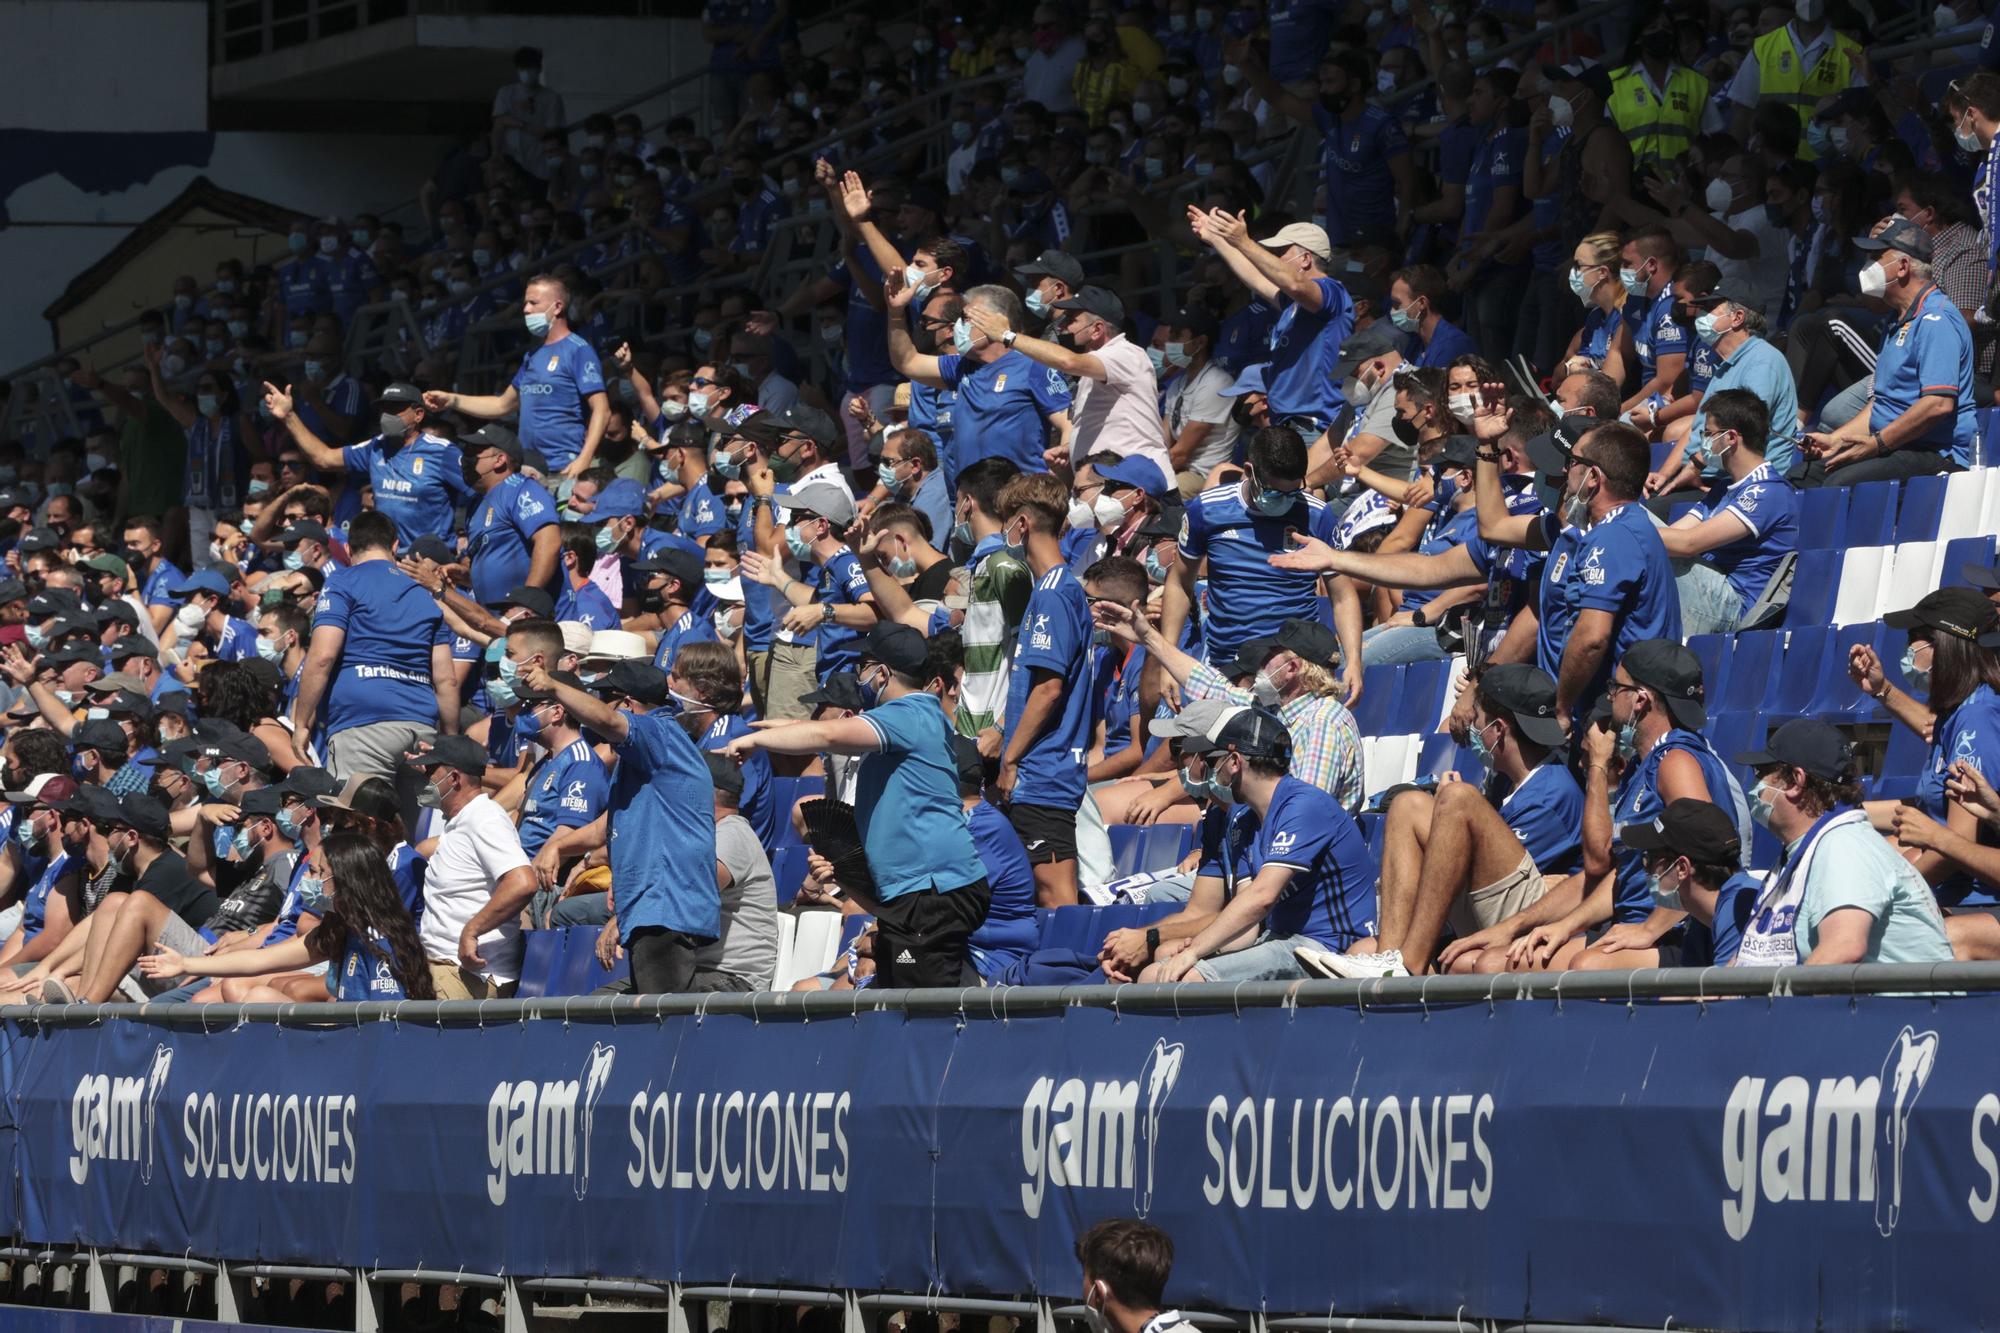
(1461, 405)
(1719, 197)
(1874, 282)
(1561, 114)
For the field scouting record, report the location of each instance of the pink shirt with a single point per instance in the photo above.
(1120, 414)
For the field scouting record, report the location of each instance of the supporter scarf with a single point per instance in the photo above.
(1769, 940)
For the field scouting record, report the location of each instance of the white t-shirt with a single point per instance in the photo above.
(1120, 414)
(1759, 280)
(479, 845)
(1199, 398)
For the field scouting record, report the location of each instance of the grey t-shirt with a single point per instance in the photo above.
(749, 944)
(1378, 418)
(1200, 399)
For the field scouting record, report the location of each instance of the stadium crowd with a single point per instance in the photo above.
(305, 703)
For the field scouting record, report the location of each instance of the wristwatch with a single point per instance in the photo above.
(1007, 338)
(1417, 617)
(826, 613)
(1152, 939)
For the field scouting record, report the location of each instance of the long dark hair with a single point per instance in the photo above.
(232, 692)
(367, 906)
(1958, 667)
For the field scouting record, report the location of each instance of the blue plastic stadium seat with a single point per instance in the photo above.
(1823, 518)
(1161, 847)
(1836, 694)
(1732, 733)
(1960, 552)
(1439, 754)
(1908, 753)
(1922, 507)
(1661, 452)
(788, 870)
(1749, 672)
(540, 952)
(1381, 687)
(578, 971)
(1070, 928)
(1793, 680)
(1124, 847)
(1815, 584)
(1677, 509)
(1871, 514)
(1986, 452)
(1374, 828)
(1416, 711)
(1713, 652)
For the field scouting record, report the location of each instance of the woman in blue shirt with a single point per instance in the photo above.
(1605, 340)
(365, 936)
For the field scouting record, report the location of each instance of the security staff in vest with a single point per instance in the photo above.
(1656, 102)
(1800, 65)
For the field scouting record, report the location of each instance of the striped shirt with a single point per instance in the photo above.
(999, 595)
(1326, 743)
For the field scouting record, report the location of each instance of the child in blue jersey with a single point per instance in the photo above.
(1482, 853)
(1693, 862)
(1310, 879)
(1045, 746)
(365, 936)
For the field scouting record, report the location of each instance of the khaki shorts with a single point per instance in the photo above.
(1519, 888)
(453, 982)
(792, 678)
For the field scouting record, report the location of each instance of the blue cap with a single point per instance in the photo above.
(207, 580)
(1132, 470)
(1250, 381)
(621, 499)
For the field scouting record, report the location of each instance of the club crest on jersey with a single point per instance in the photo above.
(554, 360)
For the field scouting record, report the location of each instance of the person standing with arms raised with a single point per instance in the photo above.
(559, 389)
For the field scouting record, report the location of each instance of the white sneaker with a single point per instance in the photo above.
(1351, 966)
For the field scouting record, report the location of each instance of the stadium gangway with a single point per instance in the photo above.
(97, 1269)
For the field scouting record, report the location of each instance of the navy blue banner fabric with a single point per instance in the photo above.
(1748, 1163)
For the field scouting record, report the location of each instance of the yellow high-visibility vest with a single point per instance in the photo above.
(1780, 79)
(1658, 129)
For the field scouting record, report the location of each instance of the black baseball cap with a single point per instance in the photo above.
(1527, 694)
(1210, 726)
(262, 801)
(310, 783)
(1963, 612)
(102, 735)
(1807, 743)
(133, 646)
(1165, 523)
(1058, 264)
(1196, 319)
(12, 590)
(1902, 236)
(1673, 673)
(634, 678)
(432, 548)
(1459, 451)
(569, 678)
(87, 800)
(400, 394)
(1309, 639)
(1378, 339)
(676, 563)
(842, 689)
(726, 773)
(459, 752)
(306, 529)
(493, 435)
(1551, 453)
(1698, 830)
(896, 646)
(1097, 301)
(142, 813)
(535, 601)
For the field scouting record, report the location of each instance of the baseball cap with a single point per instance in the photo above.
(133, 646)
(48, 788)
(1902, 236)
(241, 745)
(1673, 673)
(1527, 694)
(623, 498)
(1550, 453)
(896, 646)
(262, 801)
(1132, 470)
(459, 752)
(1719, 297)
(1592, 76)
(821, 498)
(725, 772)
(102, 735)
(1459, 451)
(431, 548)
(142, 813)
(616, 645)
(86, 799)
(12, 590)
(52, 602)
(106, 563)
(1808, 743)
(310, 783)
(34, 539)
(676, 563)
(1096, 301)
(576, 636)
(1166, 523)
(400, 394)
(1963, 612)
(1210, 726)
(1308, 639)
(1058, 264)
(1309, 236)
(492, 435)
(1378, 339)
(807, 420)
(1698, 830)
(535, 601)
(1196, 319)
(369, 795)
(76, 652)
(202, 580)
(307, 529)
(841, 689)
(1250, 381)
(632, 679)
(126, 701)
(569, 678)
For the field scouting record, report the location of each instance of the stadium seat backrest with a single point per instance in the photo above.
(1162, 846)
(1964, 504)
(1823, 519)
(540, 951)
(1423, 696)
(1871, 514)
(815, 942)
(1956, 554)
(1908, 574)
(1921, 509)
(1836, 692)
(1381, 691)
(781, 974)
(1749, 672)
(788, 870)
(1815, 580)
(578, 971)
(1860, 594)
(1793, 679)
(1713, 652)
(1124, 847)
(1986, 447)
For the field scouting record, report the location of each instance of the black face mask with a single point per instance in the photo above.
(1657, 45)
(1334, 102)
(1406, 431)
(1682, 313)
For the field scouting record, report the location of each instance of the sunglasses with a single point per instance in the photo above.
(701, 382)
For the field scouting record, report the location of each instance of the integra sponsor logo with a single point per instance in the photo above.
(1790, 1141)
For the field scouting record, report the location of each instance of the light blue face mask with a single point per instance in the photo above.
(537, 322)
(1918, 679)
(24, 832)
(1628, 739)
(312, 895)
(698, 407)
(961, 531)
(961, 337)
(799, 546)
(1669, 899)
(1635, 285)
(242, 843)
(1038, 305)
(268, 649)
(608, 538)
(527, 724)
(295, 559)
(1480, 749)
(727, 466)
(1760, 805)
(1155, 571)
(500, 694)
(714, 576)
(902, 567)
(1705, 328)
(496, 649)
(212, 780)
(1270, 503)
(37, 637)
(288, 827)
(1404, 320)
(1578, 286)
(510, 674)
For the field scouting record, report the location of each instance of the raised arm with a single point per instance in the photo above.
(322, 455)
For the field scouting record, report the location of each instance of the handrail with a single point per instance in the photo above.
(1006, 1002)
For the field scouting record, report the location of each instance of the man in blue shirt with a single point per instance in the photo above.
(568, 787)
(929, 890)
(1365, 158)
(829, 609)
(145, 555)
(418, 477)
(1743, 533)
(378, 673)
(1647, 264)
(677, 579)
(1310, 880)
(1236, 528)
(1692, 852)
(1733, 332)
(1416, 297)
(1046, 741)
(580, 599)
(1008, 406)
(1921, 416)
(558, 391)
(660, 822)
(512, 533)
(1315, 314)
(1472, 854)
(1607, 583)
(909, 471)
